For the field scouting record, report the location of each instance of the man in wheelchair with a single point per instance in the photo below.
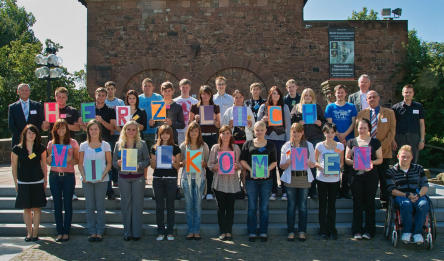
(408, 185)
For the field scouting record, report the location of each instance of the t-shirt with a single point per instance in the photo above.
(342, 117)
(29, 170)
(206, 128)
(145, 103)
(291, 102)
(186, 107)
(248, 149)
(162, 173)
(254, 106)
(112, 104)
(140, 117)
(107, 115)
(408, 117)
(92, 154)
(70, 115)
(323, 150)
(69, 167)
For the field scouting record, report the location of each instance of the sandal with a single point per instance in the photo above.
(189, 237)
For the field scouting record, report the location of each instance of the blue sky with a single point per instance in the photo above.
(64, 21)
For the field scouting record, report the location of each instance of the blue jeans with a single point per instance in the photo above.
(297, 197)
(193, 203)
(258, 189)
(62, 188)
(406, 207)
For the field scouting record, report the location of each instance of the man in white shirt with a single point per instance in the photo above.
(224, 100)
(184, 100)
(359, 99)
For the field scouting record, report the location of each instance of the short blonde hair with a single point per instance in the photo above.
(291, 81)
(260, 123)
(220, 78)
(406, 148)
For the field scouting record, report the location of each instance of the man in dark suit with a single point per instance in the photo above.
(23, 112)
(359, 98)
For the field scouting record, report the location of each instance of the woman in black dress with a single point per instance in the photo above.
(28, 162)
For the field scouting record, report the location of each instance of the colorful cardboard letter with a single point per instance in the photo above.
(88, 111)
(299, 159)
(51, 112)
(239, 116)
(259, 165)
(275, 116)
(93, 170)
(226, 162)
(309, 113)
(332, 164)
(60, 155)
(206, 113)
(129, 160)
(123, 114)
(194, 161)
(362, 158)
(158, 109)
(164, 157)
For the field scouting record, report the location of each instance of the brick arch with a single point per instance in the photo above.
(157, 75)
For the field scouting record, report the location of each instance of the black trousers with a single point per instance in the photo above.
(346, 180)
(225, 212)
(210, 140)
(382, 169)
(327, 206)
(165, 189)
(364, 191)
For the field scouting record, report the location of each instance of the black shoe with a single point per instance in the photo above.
(99, 239)
(59, 239)
(334, 236)
(228, 238)
(136, 238)
(251, 239)
(34, 239)
(111, 197)
(324, 237)
(264, 239)
(189, 237)
(91, 239)
(28, 239)
(313, 195)
(127, 238)
(197, 237)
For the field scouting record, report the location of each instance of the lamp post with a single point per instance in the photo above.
(50, 68)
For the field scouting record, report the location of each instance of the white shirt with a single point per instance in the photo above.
(225, 101)
(364, 103)
(285, 155)
(91, 154)
(186, 107)
(250, 116)
(323, 150)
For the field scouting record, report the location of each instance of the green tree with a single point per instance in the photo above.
(364, 15)
(15, 23)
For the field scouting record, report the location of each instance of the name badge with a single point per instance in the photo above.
(384, 120)
(32, 155)
(415, 111)
(63, 116)
(98, 149)
(33, 112)
(135, 117)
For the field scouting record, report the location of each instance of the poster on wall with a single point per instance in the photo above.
(342, 52)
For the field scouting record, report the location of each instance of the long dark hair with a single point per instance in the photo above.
(193, 125)
(160, 131)
(38, 139)
(132, 92)
(269, 101)
(205, 89)
(55, 136)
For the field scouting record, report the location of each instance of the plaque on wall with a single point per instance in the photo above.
(342, 52)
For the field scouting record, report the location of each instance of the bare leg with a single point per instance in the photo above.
(27, 217)
(36, 221)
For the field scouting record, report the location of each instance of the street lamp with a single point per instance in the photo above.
(50, 69)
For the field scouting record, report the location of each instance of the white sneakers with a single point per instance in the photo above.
(418, 239)
(160, 237)
(210, 197)
(357, 236)
(405, 238)
(273, 196)
(284, 196)
(366, 236)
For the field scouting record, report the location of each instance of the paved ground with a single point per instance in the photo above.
(277, 248)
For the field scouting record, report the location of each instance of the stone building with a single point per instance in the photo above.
(244, 40)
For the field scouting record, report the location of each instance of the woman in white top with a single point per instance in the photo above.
(297, 182)
(94, 165)
(240, 134)
(328, 180)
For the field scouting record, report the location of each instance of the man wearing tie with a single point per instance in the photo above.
(23, 112)
(383, 123)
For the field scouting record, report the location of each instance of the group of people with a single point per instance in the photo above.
(189, 126)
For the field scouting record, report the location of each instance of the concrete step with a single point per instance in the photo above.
(207, 230)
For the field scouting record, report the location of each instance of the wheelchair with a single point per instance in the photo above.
(393, 224)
